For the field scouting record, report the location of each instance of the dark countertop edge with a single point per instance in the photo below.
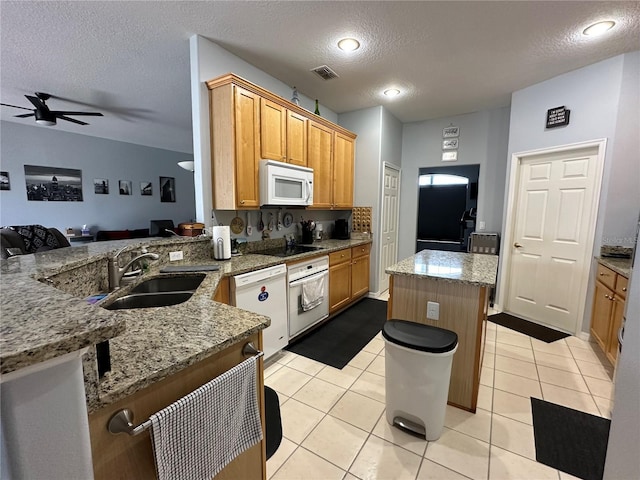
(621, 266)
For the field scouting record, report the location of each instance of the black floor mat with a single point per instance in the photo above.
(572, 441)
(521, 325)
(273, 421)
(339, 340)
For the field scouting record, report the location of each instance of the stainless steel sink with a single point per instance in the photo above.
(179, 283)
(147, 300)
(159, 292)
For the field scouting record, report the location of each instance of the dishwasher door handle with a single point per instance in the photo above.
(306, 279)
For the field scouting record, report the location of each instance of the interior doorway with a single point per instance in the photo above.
(551, 217)
(389, 223)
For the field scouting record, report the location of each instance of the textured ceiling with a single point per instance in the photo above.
(130, 60)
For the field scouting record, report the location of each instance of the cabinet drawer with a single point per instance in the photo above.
(340, 256)
(606, 276)
(360, 250)
(621, 286)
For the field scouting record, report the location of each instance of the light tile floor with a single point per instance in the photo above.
(334, 425)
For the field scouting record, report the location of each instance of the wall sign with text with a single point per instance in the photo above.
(558, 117)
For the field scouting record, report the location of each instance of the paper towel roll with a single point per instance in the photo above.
(221, 243)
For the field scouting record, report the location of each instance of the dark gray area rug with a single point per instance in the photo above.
(339, 340)
(569, 440)
(521, 325)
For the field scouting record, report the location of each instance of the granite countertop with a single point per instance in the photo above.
(457, 267)
(146, 345)
(618, 265)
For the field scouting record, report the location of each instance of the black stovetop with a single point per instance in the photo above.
(287, 252)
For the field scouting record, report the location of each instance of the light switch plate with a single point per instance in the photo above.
(175, 256)
(481, 225)
(433, 310)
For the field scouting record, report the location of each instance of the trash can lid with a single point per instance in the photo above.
(417, 336)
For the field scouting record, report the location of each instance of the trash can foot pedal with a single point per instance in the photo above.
(410, 427)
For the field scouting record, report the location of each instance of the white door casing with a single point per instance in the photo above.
(389, 223)
(551, 219)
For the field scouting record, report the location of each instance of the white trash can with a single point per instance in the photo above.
(417, 373)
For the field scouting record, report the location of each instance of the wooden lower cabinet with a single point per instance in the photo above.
(608, 309)
(223, 292)
(348, 276)
(131, 457)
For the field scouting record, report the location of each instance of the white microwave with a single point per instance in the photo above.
(285, 184)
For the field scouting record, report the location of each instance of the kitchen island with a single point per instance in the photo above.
(459, 283)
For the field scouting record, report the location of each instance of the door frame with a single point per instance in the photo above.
(392, 166)
(512, 191)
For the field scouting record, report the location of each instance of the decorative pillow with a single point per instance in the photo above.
(36, 238)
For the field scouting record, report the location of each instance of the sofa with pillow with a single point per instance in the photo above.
(24, 239)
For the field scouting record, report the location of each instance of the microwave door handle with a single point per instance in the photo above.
(308, 183)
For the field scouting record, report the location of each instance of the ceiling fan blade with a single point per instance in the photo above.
(73, 120)
(15, 106)
(36, 102)
(89, 114)
(25, 115)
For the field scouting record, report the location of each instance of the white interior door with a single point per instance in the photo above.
(389, 227)
(556, 196)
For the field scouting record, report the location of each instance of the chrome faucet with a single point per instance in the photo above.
(116, 272)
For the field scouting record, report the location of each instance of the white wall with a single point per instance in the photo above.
(96, 158)
(208, 61)
(483, 140)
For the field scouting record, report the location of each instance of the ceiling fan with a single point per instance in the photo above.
(44, 116)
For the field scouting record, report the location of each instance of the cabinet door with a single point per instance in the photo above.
(339, 286)
(273, 121)
(601, 314)
(359, 276)
(319, 142)
(247, 141)
(616, 323)
(296, 139)
(343, 171)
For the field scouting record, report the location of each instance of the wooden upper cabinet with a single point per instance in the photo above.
(247, 135)
(320, 140)
(343, 160)
(296, 139)
(273, 130)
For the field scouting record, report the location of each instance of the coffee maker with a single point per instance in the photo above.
(341, 230)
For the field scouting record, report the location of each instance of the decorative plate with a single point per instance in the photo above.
(287, 220)
(237, 225)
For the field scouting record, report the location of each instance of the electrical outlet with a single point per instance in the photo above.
(174, 256)
(481, 225)
(433, 310)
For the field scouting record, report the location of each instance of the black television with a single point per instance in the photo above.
(158, 228)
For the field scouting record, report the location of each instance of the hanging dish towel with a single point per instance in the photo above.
(312, 293)
(195, 437)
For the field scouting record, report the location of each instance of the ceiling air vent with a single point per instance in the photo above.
(325, 72)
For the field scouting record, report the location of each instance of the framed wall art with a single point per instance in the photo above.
(125, 187)
(100, 186)
(5, 184)
(53, 184)
(167, 189)
(146, 189)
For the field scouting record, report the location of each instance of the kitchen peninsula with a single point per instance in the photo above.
(157, 354)
(459, 283)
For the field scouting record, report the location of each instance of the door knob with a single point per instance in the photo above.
(517, 245)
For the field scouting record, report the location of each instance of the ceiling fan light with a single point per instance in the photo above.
(348, 44)
(43, 121)
(598, 28)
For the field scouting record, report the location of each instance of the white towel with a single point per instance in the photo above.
(312, 293)
(195, 437)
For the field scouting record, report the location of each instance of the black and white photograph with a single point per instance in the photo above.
(167, 189)
(450, 144)
(4, 181)
(125, 187)
(450, 132)
(100, 186)
(146, 189)
(53, 184)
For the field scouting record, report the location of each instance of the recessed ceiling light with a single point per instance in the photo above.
(348, 44)
(598, 28)
(392, 92)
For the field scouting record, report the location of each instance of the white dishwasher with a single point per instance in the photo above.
(265, 292)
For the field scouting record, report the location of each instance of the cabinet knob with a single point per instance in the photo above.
(624, 289)
(606, 296)
(602, 274)
(241, 202)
